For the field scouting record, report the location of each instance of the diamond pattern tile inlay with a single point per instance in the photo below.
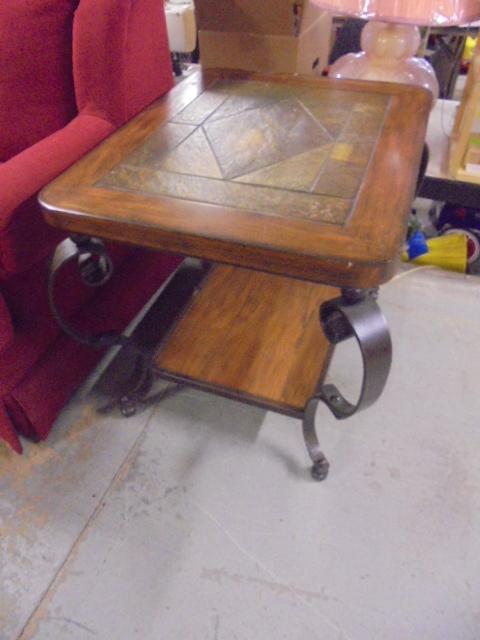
(270, 148)
(261, 137)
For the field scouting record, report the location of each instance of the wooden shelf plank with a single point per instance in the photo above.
(251, 335)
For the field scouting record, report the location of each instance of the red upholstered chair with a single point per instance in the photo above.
(71, 72)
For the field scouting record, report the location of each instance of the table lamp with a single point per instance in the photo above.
(391, 38)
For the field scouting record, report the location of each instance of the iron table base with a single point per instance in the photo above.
(355, 314)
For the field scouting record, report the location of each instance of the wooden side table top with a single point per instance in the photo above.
(304, 177)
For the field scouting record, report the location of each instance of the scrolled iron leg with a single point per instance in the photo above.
(355, 314)
(95, 269)
(320, 465)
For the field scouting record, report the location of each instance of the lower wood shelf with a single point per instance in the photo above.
(253, 336)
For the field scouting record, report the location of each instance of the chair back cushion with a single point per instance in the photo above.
(121, 57)
(36, 83)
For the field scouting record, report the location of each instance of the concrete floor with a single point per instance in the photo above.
(198, 519)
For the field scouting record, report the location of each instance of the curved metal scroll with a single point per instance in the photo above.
(363, 320)
(321, 465)
(95, 269)
(357, 315)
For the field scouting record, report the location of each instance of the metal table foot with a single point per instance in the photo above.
(135, 400)
(355, 314)
(320, 465)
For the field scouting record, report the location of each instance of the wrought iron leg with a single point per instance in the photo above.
(320, 465)
(95, 269)
(355, 314)
(138, 396)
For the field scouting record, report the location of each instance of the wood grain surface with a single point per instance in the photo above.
(252, 335)
(306, 177)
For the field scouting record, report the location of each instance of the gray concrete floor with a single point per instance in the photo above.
(198, 520)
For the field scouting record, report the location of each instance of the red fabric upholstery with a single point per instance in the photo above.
(6, 327)
(118, 70)
(35, 327)
(36, 96)
(7, 430)
(121, 64)
(31, 402)
(23, 176)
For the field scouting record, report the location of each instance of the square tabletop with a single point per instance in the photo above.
(305, 177)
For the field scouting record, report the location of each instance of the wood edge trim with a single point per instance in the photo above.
(335, 272)
(357, 86)
(389, 244)
(59, 202)
(231, 394)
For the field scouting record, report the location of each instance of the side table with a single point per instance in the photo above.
(293, 193)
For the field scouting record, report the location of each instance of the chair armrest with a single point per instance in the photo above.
(25, 174)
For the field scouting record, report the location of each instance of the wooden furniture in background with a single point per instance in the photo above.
(438, 184)
(467, 114)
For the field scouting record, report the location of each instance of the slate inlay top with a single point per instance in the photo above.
(293, 151)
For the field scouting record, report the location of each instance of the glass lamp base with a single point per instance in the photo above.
(388, 56)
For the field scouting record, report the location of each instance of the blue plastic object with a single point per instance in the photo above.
(417, 245)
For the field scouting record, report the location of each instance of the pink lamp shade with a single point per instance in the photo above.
(421, 12)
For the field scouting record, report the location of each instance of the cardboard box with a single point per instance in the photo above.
(270, 17)
(271, 36)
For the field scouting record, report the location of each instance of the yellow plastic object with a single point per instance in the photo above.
(447, 252)
(470, 44)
